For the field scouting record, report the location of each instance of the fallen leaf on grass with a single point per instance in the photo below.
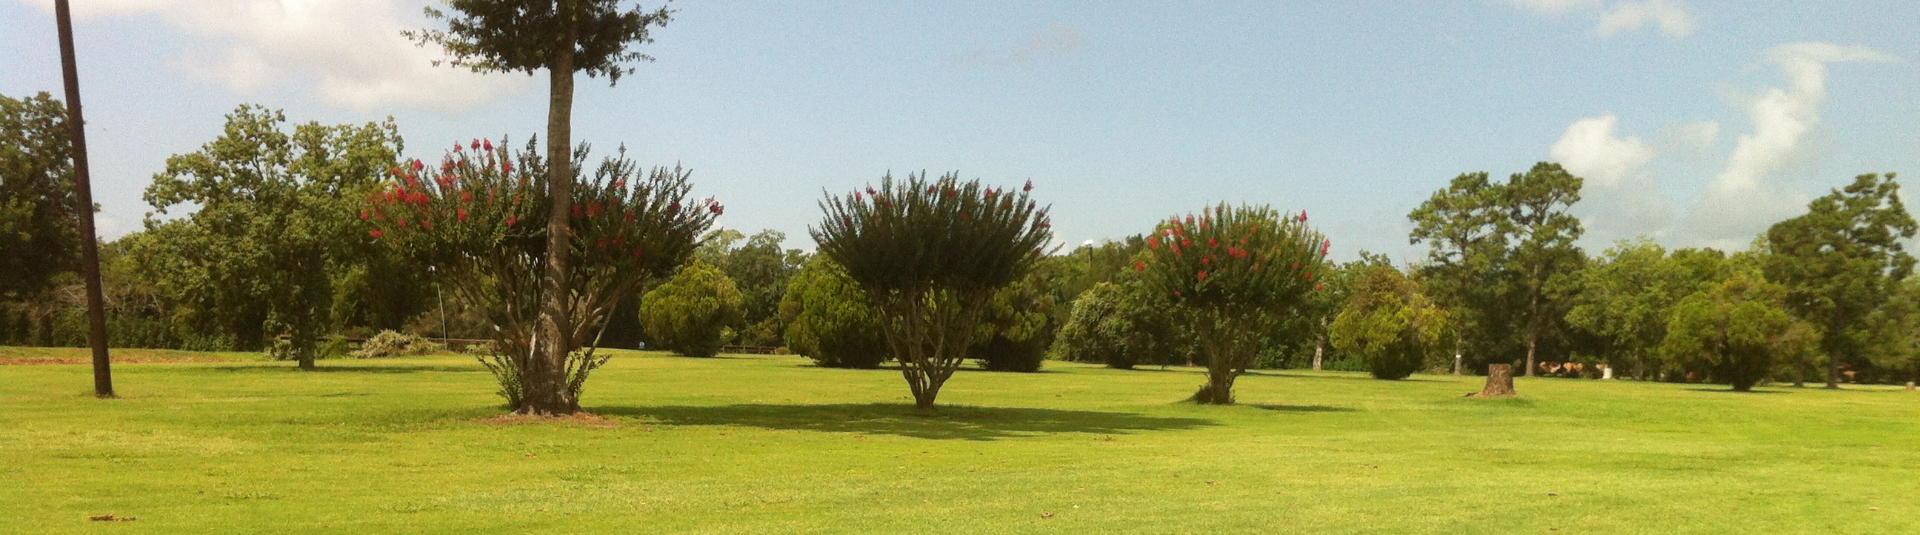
(1046, 515)
(111, 518)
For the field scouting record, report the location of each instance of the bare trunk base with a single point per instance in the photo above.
(306, 363)
(1499, 381)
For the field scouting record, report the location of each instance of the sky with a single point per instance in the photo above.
(1694, 123)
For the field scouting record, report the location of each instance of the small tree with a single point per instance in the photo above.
(687, 314)
(1389, 324)
(1734, 328)
(1235, 272)
(477, 218)
(1121, 325)
(830, 320)
(929, 255)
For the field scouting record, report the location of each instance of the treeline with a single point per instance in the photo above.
(270, 241)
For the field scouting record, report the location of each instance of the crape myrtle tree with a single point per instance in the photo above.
(1235, 273)
(1734, 329)
(1842, 260)
(562, 37)
(478, 217)
(930, 254)
(1388, 323)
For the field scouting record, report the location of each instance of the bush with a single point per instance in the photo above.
(690, 313)
(829, 319)
(1121, 325)
(1016, 327)
(1388, 324)
(394, 344)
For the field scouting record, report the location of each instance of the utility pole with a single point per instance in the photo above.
(83, 192)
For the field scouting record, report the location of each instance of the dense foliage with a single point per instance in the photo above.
(688, 314)
(1842, 260)
(930, 254)
(1733, 329)
(1389, 324)
(1123, 325)
(830, 320)
(37, 200)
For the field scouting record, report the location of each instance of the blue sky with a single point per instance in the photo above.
(1695, 123)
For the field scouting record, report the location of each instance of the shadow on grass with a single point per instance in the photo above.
(1301, 408)
(1344, 377)
(951, 422)
(1732, 391)
(323, 368)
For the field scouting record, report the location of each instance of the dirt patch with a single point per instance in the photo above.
(39, 356)
(579, 418)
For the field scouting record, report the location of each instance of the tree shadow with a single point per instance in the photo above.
(290, 368)
(948, 422)
(1344, 377)
(1301, 408)
(1732, 391)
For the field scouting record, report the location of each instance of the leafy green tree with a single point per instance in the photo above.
(36, 195)
(762, 271)
(687, 314)
(1123, 324)
(1542, 235)
(273, 220)
(1734, 328)
(1235, 272)
(1893, 333)
(562, 37)
(1466, 249)
(1628, 296)
(476, 219)
(1388, 323)
(1018, 325)
(830, 320)
(930, 254)
(1842, 260)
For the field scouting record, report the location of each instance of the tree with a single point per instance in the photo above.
(1121, 325)
(830, 320)
(1234, 272)
(1893, 332)
(1734, 328)
(562, 37)
(1628, 297)
(1842, 260)
(687, 314)
(37, 199)
(1542, 234)
(273, 221)
(930, 254)
(1388, 323)
(762, 270)
(475, 218)
(1461, 227)
(1018, 325)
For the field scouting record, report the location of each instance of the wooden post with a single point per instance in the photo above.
(83, 195)
(1499, 381)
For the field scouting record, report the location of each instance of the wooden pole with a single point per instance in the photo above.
(83, 192)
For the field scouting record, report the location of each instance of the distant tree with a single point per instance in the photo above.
(1542, 233)
(930, 254)
(271, 220)
(1466, 249)
(687, 314)
(1018, 325)
(1893, 332)
(1842, 260)
(1388, 323)
(762, 269)
(1235, 272)
(476, 219)
(830, 320)
(36, 195)
(562, 37)
(1627, 297)
(1734, 328)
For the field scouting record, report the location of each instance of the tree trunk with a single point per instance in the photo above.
(546, 386)
(1459, 345)
(1800, 371)
(1319, 345)
(1833, 370)
(306, 361)
(1533, 324)
(1499, 381)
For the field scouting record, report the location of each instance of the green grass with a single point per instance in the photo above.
(773, 445)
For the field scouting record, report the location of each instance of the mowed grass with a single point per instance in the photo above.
(775, 445)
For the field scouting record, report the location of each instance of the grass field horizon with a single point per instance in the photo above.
(759, 444)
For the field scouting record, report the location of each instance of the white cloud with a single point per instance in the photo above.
(1742, 200)
(1622, 16)
(1620, 197)
(351, 51)
(1631, 16)
(1695, 138)
(1055, 40)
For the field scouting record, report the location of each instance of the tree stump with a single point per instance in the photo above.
(1499, 381)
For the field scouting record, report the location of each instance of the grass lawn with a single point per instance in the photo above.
(774, 445)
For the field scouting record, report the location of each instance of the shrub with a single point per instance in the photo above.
(1388, 324)
(689, 314)
(394, 344)
(1121, 325)
(1016, 328)
(1735, 329)
(829, 319)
